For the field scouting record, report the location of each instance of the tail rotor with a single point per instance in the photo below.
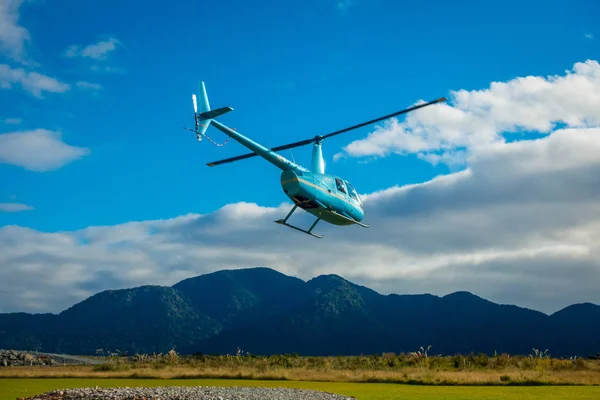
(195, 112)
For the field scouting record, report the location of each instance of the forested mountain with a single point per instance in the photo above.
(262, 311)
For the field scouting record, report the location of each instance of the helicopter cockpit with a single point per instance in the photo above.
(353, 193)
(346, 187)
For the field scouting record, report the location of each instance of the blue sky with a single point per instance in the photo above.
(102, 188)
(290, 70)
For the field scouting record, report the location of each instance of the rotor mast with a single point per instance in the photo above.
(318, 163)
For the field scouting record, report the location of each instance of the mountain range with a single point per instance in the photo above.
(262, 311)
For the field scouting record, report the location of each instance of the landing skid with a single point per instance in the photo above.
(283, 221)
(349, 219)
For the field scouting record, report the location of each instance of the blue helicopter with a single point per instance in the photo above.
(328, 197)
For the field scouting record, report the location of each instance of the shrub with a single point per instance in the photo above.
(580, 363)
(112, 367)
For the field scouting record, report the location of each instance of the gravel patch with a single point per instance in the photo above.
(187, 393)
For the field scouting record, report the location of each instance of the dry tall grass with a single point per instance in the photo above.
(411, 375)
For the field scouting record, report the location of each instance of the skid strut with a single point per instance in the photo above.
(309, 231)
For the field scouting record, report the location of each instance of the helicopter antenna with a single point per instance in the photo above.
(203, 118)
(292, 154)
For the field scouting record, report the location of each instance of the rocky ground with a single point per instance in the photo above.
(11, 358)
(14, 358)
(187, 393)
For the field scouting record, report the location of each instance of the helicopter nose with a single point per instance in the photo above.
(360, 213)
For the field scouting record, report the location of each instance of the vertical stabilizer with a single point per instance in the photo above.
(203, 100)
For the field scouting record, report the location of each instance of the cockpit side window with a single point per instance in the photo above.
(340, 185)
(353, 192)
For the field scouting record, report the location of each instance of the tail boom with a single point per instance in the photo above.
(269, 155)
(205, 117)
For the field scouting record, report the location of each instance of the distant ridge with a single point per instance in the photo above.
(262, 311)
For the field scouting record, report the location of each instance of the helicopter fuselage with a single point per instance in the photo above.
(325, 196)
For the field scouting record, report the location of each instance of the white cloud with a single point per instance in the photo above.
(14, 207)
(38, 150)
(97, 54)
(88, 85)
(520, 225)
(13, 36)
(482, 117)
(589, 36)
(97, 51)
(33, 82)
(12, 121)
(105, 69)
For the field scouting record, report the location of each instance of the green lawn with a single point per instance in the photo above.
(10, 389)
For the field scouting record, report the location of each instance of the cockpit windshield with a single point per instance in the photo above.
(352, 192)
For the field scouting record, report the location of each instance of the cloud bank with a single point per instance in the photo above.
(448, 132)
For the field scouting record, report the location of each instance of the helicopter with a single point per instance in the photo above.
(326, 196)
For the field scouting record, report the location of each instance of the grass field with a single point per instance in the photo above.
(407, 375)
(413, 368)
(389, 376)
(10, 389)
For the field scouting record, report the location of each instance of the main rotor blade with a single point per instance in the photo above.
(232, 159)
(384, 117)
(318, 138)
(249, 155)
(295, 144)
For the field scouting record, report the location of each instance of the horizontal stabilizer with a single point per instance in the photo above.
(214, 113)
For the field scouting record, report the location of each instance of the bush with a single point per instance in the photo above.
(580, 363)
(112, 367)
